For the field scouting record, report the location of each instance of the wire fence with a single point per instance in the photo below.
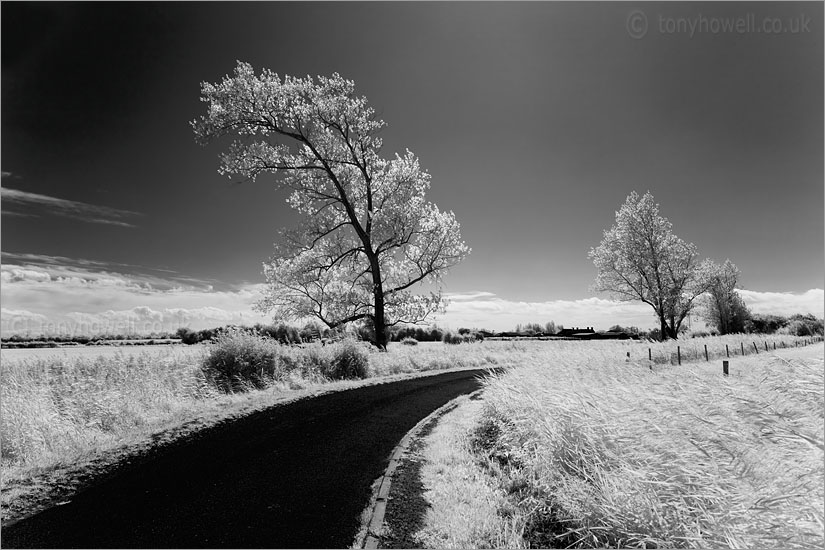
(690, 352)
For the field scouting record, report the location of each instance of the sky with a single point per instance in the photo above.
(535, 120)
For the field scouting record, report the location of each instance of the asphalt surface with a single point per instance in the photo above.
(292, 476)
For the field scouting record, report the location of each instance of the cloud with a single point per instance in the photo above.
(63, 207)
(486, 310)
(785, 303)
(60, 295)
(468, 296)
(11, 274)
(22, 268)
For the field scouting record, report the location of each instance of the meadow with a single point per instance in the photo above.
(584, 447)
(585, 443)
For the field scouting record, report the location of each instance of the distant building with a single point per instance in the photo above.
(575, 330)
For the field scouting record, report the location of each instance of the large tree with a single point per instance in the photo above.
(368, 235)
(640, 258)
(723, 306)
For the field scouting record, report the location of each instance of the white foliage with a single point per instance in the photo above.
(368, 233)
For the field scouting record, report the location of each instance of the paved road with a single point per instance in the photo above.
(293, 476)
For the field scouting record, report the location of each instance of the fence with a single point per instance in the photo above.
(688, 352)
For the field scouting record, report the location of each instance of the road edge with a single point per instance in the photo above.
(369, 535)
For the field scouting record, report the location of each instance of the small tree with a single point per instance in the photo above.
(640, 258)
(723, 306)
(368, 234)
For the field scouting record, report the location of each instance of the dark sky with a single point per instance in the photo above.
(535, 119)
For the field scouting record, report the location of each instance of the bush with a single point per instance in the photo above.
(803, 325)
(282, 332)
(450, 338)
(238, 360)
(467, 338)
(409, 341)
(348, 361)
(765, 324)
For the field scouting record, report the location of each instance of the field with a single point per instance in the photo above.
(71, 352)
(588, 449)
(582, 443)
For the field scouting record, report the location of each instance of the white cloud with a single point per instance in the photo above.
(785, 303)
(92, 213)
(29, 268)
(54, 295)
(486, 310)
(468, 296)
(12, 274)
(58, 295)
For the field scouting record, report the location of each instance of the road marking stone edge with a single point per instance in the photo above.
(378, 502)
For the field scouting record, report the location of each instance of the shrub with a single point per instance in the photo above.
(238, 360)
(765, 324)
(409, 341)
(466, 338)
(348, 361)
(187, 336)
(450, 338)
(282, 332)
(804, 325)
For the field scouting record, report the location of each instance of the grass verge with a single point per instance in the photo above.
(465, 508)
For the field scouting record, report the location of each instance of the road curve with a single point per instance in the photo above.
(292, 476)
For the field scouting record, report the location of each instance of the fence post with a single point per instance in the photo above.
(679, 354)
(649, 355)
(742, 344)
(755, 348)
(725, 368)
(628, 357)
(774, 345)
(766, 345)
(706, 353)
(727, 351)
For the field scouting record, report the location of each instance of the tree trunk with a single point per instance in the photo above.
(379, 320)
(379, 324)
(663, 328)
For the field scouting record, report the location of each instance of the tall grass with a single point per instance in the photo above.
(58, 408)
(595, 451)
(55, 408)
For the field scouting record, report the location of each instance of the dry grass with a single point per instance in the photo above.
(59, 407)
(714, 461)
(464, 503)
(595, 451)
(428, 356)
(53, 409)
